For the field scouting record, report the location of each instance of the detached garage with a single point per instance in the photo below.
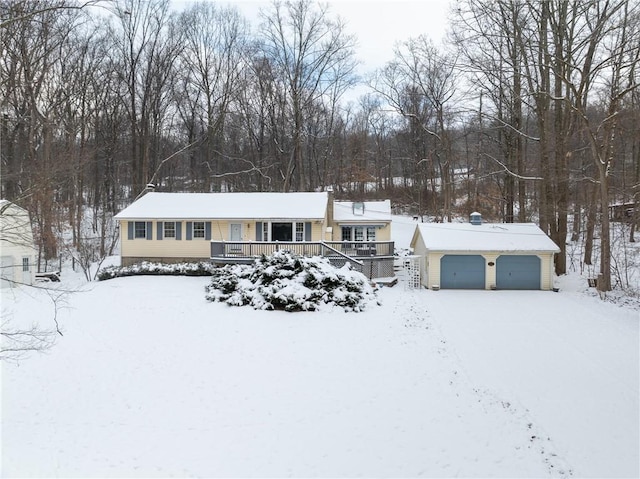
(484, 256)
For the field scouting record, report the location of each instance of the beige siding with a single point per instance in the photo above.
(384, 234)
(490, 271)
(165, 248)
(548, 272)
(169, 249)
(433, 265)
(317, 230)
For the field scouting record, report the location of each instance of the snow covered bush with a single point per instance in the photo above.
(292, 283)
(149, 268)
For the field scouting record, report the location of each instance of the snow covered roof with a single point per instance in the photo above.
(156, 205)
(484, 237)
(345, 211)
(6, 204)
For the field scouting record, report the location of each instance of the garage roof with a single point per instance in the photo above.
(156, 205)
(484, 237)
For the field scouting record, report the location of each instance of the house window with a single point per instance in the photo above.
(265, 231)
(140, 228)
(281, 232)
(25, 264)
(299, 231)
(371, 233)
(169, 229)
(358, 233)
(198, 229)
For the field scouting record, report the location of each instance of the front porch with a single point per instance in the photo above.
(372, 258)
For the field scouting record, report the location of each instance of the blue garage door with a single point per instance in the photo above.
(462, 272)
(518, 272)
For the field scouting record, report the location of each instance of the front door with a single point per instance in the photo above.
(235, 232)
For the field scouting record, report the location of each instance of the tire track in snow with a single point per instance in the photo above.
(423, 331)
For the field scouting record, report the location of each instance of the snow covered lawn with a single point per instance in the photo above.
(151, 380)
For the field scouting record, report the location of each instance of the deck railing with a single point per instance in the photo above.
(349, 250)
(373, 258)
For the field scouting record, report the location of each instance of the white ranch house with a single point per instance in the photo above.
(238, 227)
(17, 250)
(480, 255)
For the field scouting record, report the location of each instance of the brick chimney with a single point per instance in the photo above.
(330, 200)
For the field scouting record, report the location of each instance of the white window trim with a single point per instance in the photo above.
(266, 230)
(369, 229)
(164, 230)
(204, 230)
(135, 230)
(354, 230)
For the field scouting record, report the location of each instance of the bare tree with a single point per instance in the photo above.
(420, 84)
(611, 54)
(215, 53)
(147, 50)
(313, 55)
(33, 69)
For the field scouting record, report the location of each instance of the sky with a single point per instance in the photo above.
(378, 25)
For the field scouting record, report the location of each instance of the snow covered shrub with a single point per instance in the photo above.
(291, 283)
(159, 269)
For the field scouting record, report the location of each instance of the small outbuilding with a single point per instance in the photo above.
(479, 255)
(17, 250)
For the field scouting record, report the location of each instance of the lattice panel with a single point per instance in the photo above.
(411, 265)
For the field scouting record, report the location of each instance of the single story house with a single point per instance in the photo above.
(17, 249)
(238, 227)
(480, 255)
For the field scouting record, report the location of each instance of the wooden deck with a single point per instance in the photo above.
(373, 258)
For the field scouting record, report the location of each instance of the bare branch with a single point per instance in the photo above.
(520, 177)
(171, 156)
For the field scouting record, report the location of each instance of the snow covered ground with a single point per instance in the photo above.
(151, 380)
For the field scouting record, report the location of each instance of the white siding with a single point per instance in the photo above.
(16, 243)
